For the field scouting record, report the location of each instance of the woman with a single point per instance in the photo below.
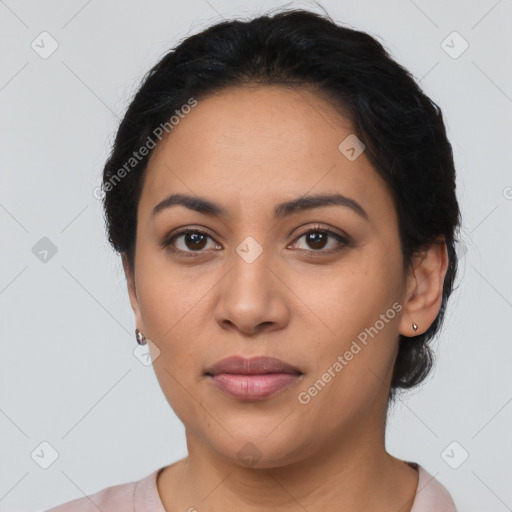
(283, 198)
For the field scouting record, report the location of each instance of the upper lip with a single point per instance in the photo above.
(251, 366)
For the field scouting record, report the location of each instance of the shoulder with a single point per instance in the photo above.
(117, 498)
(110, 499)
(431, 494)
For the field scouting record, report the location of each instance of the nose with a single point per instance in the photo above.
(252, 298)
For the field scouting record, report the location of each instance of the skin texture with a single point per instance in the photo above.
(248, 149)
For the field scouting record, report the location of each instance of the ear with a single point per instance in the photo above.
(132, 291)
(424, 293)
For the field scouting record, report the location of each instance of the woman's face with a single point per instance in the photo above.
(252, 283)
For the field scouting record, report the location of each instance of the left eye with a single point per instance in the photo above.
(317, 239)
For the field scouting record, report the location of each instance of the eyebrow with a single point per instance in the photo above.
(207, 207)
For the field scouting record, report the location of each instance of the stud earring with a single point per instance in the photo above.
(414, 326)
(141, 339)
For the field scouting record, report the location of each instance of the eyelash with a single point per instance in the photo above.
(344, 241)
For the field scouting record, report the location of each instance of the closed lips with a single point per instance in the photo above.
(252, 379)
(251, 366)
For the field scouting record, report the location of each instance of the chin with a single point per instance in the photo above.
(260, 449)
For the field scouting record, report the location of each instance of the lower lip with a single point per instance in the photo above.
(253, 387)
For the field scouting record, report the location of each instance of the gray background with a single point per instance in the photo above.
(68, 374)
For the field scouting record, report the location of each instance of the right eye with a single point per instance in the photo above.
(191, 240)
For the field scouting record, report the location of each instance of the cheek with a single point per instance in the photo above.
(347, 299)
(357, 311)
(172, 323)
(352, 365)
(170, 297)
(170, 311)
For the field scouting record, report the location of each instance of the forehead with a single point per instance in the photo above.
(259, 145)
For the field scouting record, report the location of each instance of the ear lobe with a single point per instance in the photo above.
(425, 288)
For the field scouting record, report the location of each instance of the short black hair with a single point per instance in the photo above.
(402, 130)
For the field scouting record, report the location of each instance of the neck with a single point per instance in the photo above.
(353, 473)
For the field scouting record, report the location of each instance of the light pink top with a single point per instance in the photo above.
(142, 496)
